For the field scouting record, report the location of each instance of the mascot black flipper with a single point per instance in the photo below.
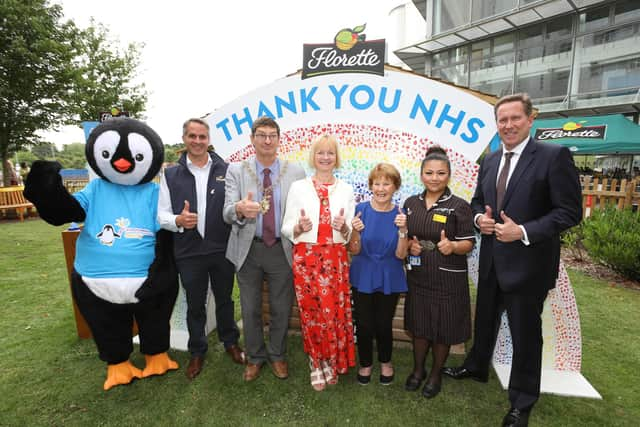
(116, 248)
(45, 190)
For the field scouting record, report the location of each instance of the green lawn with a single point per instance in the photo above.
(49, 377)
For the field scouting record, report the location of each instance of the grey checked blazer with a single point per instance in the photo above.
(237, 184)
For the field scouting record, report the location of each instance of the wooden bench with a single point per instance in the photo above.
(12, 198)
(401, 337)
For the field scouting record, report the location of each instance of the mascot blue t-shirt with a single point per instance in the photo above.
(122, 221)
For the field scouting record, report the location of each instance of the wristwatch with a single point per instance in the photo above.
(402, 234)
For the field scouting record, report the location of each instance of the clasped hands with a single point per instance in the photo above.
(506, 232)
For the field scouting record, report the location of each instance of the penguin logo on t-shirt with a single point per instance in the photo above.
(107, 235)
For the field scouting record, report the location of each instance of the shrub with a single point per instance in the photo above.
(573, 239)
(612, 237)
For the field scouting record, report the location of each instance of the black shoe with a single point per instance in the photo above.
(413, 382)
(431, 390)
(364, 379)
(461, 373)
(516, 418)
(386, 379)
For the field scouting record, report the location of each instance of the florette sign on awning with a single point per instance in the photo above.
(610, 134)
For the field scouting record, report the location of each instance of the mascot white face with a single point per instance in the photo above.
(125, 151)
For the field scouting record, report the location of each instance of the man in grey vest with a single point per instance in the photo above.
(255, 198)
(190, 205)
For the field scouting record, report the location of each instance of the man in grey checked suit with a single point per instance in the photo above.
(254, 187)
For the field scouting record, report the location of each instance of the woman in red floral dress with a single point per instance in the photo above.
(317, 217)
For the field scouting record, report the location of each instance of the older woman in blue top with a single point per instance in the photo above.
(379, 244)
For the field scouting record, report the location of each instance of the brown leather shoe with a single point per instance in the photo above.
(280, 369)
(237, 355)
(195, 366)
(251, 372)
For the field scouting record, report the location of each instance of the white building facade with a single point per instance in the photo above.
(574, 57)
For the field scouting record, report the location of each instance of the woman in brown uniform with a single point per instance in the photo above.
(437, 311)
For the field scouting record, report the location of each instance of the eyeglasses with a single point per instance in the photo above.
(264, 136)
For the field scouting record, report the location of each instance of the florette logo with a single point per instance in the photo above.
(572, 125)
(349, 53)
(346, 38)
(115, 112)
(571, 130)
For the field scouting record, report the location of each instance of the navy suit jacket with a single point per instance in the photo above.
(544, 196)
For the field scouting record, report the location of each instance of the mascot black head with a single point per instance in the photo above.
(125, 151)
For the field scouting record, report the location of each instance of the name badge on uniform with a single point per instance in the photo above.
(415, 261)
(440, 218)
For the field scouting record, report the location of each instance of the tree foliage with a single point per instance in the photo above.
(105, 77)
(54, 73)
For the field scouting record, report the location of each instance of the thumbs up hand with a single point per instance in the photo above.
(415, 248)
(508, 231)
(247, 208)
(486, 222)
(304, 223)
(338, 222)
(400, 220)
(187, 219)
(445, 246)
(356, 222)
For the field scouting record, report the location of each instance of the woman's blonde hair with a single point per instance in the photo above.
(320, 140)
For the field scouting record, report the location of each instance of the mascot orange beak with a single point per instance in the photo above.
(122, 165)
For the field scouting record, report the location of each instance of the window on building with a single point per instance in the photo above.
(530, 36)
(626, 10)
(613, 79)
(457, 74)
(439, 59)
(487, 8)
(607, 62)
(504, 43)
(459, 54)
(495, 87)
(449, 14)
(594, 19)
(559, 28)
(550, 86)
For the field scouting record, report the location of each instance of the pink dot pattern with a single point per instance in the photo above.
(562, 348)
(363, 146)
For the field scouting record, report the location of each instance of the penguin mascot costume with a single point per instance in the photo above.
(124, 267)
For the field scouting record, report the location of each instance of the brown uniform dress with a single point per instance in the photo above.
(437, 306)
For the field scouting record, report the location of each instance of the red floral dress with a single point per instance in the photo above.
(321, 281)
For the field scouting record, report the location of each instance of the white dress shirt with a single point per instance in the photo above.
(166, 217)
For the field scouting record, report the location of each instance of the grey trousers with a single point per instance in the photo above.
(268, 264)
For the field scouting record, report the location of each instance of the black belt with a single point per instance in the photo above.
(259, 239)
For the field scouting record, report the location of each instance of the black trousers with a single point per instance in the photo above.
(111, 324)
(195, 273)
(523, 311)
(374, 317)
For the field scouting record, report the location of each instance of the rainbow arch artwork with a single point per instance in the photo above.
(394, 118)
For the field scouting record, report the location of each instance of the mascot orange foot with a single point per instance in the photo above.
(121, 373)
(158, 364)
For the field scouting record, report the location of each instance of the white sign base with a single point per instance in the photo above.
(179, 337)
(561, 383)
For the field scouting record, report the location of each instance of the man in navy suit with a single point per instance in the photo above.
(527, 193)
